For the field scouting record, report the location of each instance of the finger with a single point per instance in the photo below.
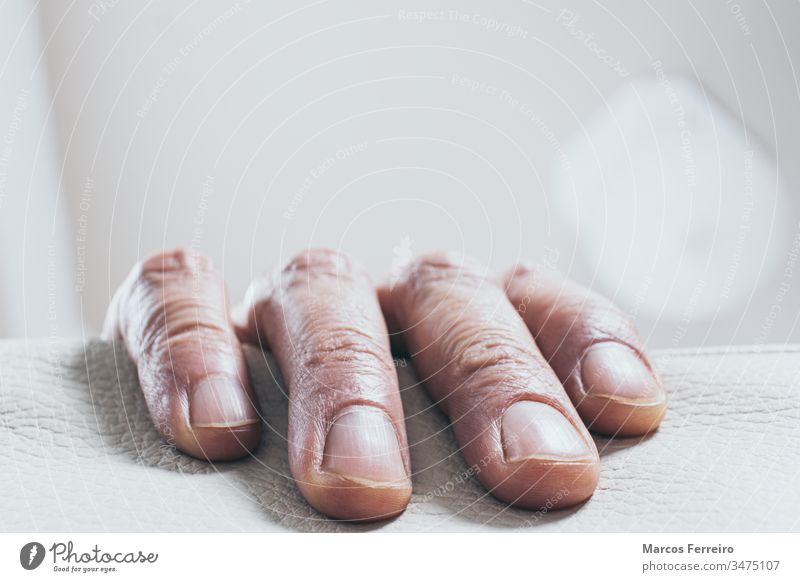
(515, 425)
(172, 314)
(347, 442)
(594, 349)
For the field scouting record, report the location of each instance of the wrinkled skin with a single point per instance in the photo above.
(524, 366)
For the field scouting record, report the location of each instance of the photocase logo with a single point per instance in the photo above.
(31, 555)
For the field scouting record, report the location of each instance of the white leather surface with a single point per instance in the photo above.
(80, 454)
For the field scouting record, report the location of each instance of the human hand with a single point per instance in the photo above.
(519, 407)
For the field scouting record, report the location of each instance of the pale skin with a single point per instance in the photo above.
(524, 365)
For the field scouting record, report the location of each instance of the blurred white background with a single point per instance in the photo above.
(648, 149)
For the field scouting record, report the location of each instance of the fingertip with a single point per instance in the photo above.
(347, 499)
(362, 475)
(221, 443)
(621, 394)
(544, 484)
(608, 417)
(545, 462)
(223, 420)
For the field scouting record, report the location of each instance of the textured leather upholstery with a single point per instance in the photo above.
(80, 454)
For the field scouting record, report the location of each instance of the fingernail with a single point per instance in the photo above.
(613, 370)
(362, 444)
(220, 402)
(536, 430)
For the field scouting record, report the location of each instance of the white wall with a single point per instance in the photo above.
(37, 297)
(251, 130)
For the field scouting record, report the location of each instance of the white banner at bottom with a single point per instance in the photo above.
(371, 556)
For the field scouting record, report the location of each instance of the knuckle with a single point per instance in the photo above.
(532, 277)
(176, 260)
(603, 319)
(494, 352)
(532, 284)
(345, 344)
(172, 300)
(187, 314)
(180, 321)
(587, 317)
(442, 266)
(524, 269)
(321, 263)
(180, 268)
